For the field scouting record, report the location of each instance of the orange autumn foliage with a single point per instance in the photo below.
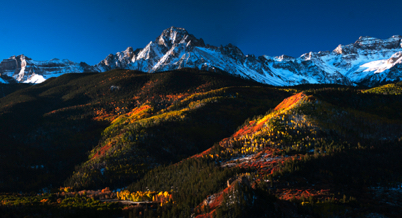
(138, 110)
(103, 150)
(206, 152)
(290, 101)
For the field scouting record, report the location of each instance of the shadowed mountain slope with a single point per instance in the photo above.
(62, 119)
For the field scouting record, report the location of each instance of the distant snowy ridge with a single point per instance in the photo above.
(368, 61)
(25, 70)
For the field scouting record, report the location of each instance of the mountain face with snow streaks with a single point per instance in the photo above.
(369, 61)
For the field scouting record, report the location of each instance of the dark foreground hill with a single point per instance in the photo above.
(127, 121)
(200, 144)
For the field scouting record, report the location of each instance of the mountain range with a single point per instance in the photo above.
(368, 61)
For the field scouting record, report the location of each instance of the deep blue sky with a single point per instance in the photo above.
(84, 30)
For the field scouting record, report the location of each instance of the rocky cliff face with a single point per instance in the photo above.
(368, 61)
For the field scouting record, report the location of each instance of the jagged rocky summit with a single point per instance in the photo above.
(368, 61)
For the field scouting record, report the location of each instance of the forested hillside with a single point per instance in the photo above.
(322, 152)
(50, 128)
(193, 143)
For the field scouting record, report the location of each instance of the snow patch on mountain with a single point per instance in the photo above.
(35, 78)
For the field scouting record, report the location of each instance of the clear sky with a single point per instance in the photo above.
(89, 30)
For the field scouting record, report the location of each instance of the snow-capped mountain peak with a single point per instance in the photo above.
(367, 61)
(232, 51)
(175, 35)
(171, 36)
(367, 42)
(284, 58)
(370, 43)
